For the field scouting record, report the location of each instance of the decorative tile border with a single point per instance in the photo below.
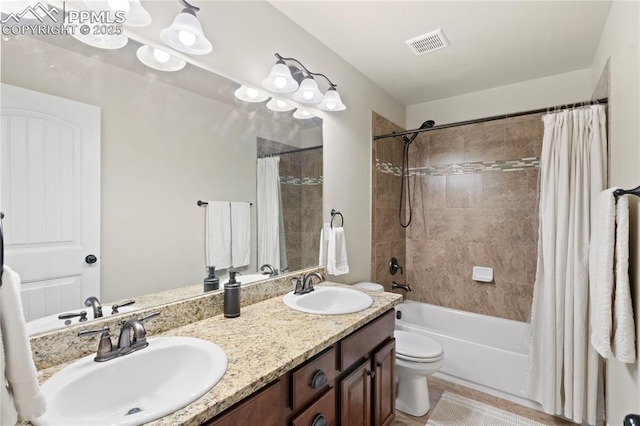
(291, 180)
(462, 168)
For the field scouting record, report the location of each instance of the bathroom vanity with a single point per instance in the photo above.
(291, 368)
(351, 383)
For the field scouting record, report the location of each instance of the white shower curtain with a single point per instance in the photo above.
(565, 372)
(271, 245)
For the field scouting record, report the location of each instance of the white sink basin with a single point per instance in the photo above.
(329, 301)
(51, 322)
(150, 383)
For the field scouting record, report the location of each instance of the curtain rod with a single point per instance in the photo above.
(493, 118)
(290, 152)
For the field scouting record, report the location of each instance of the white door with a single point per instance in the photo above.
(50, 194)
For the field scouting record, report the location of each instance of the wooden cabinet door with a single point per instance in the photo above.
(355, 397)
(384, 385)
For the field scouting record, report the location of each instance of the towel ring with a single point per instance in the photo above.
(334, 213)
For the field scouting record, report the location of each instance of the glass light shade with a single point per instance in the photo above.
(159, 59)
(308, 93)
(332, 101)
(278, 105)
(185, 34)
(135, 14)
(102, 41)
(280, 79)
(302, 114)
(249, 94)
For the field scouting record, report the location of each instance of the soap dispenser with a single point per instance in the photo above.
(211, 282)
(232, 297)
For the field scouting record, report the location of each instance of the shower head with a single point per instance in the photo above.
(426, 125)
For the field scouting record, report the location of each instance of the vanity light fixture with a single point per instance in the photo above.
(159, 59)
(290, 75)
(135, 14)
(185, 33)
(249, 94)
(278, 105)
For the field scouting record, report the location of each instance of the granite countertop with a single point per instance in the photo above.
(267, 340)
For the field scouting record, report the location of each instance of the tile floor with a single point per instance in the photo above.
(438, 386)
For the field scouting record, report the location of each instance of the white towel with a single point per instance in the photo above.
(324, 239)
(612, 325)
(337, 263)
(240, 234)
(218, 234)
(22, 397)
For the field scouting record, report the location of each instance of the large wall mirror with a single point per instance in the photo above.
(167, 140)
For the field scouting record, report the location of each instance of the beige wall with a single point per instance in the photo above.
(163, 148)
(619, 45)
(533, 94)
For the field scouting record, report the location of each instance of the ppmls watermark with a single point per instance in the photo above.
(43, 19)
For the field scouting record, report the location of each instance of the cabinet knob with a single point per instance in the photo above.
(318, 380)
(371, 374)
(379, 364)
(319, 420)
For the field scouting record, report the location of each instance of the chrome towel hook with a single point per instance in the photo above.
(334, 213)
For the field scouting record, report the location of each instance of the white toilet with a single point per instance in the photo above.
(417, 357)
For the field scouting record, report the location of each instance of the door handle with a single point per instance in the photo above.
(91, 258)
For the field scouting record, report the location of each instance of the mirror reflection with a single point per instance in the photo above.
(109, 160)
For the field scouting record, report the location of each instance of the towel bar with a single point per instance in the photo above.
(204, 203)
(634, 191)
(334, 213)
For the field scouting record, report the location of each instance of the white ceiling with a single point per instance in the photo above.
(493, 43)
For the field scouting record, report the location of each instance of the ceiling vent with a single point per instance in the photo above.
(428, 42)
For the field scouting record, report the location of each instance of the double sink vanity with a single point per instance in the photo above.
(322, 358)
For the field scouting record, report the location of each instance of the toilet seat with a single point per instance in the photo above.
(416, 347)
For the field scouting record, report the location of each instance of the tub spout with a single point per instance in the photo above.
(404, 287)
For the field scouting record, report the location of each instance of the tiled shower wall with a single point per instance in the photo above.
(388, 238)
(474, 203)
(301, 188)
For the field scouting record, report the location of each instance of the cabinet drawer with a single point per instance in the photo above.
(312, 378)
(325, 407)
(362, 342)
(264, 407)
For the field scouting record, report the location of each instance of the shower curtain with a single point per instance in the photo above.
(271, 241)
(565, 372)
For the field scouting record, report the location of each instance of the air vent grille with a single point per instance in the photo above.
(428, 42)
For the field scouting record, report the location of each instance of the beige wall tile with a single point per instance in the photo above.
(464, 190)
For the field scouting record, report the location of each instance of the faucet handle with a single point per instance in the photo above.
(296, 282)
(105, 347)
(115, 307)
(69, 315)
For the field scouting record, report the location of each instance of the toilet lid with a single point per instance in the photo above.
(416, 347)
(369, 286)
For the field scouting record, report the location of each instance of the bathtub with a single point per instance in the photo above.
(485, 353)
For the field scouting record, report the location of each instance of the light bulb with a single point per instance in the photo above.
(252, 93)
(116, 5)
(331, 105)
(187, 38)
(160, 55)
(280, 82)
(281, 104)
(307, 94)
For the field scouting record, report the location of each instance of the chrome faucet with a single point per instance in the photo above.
(404, 287)
(115, 307)
(94, 303)
(126, 342)
(307, 287)
(270, 270)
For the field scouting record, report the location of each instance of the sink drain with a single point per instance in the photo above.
(134, 410)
